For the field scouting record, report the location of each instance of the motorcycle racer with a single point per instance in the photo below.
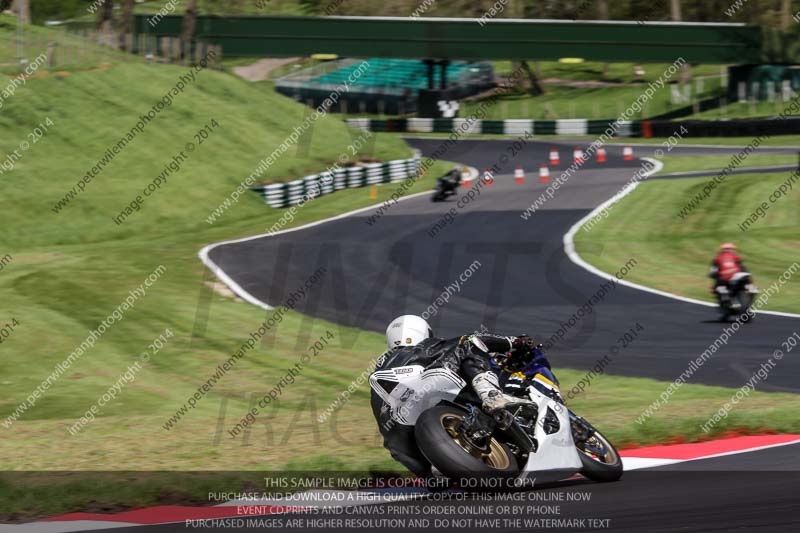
(411, 342)
(724, 266)
(447, 184)
(454, 176)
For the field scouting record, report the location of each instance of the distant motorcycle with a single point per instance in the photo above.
(446, 186)
(738, 296)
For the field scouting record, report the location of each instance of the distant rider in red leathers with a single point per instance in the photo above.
(724, 266)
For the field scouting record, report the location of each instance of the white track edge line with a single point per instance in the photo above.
(736, 452)
(738, 170)
(673, 461)
(568, 141)
(569, 249)
(238, 290)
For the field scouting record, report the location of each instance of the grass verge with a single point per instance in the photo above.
(677, 252)
(782, 140)
(680, 163)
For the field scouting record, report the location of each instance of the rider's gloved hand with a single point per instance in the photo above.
(538, 365)
(523, 343)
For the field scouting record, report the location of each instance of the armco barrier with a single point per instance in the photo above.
(725, 128)
(508, 126)
(745, 127)
(309, 187)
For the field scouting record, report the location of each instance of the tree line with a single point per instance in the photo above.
(776, 14)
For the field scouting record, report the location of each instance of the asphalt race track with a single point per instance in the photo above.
(753, 491)
(524, 282)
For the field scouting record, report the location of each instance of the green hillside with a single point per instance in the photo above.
(64, 272)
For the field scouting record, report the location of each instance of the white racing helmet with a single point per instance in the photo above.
(407, 330)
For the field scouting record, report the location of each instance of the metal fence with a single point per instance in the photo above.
(79, 47)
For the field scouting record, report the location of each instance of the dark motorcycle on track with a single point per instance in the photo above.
(447, 185)
(737, 297)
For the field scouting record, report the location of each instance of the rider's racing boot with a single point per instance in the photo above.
(487, 387)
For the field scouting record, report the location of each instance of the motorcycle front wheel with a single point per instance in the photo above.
(600, 459)
(441, 443)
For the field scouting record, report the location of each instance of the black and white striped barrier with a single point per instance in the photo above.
(309, 187)
(577, 126)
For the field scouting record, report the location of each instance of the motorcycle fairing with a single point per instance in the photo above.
(416, 390)
(556, 451)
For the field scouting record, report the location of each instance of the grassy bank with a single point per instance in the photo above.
(67, 271)
(718, 162)
(561, 102)
(677, 251)
(777, 140)
(781, 140)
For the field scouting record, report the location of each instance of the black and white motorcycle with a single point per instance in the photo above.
(543, 440)
(737, 297)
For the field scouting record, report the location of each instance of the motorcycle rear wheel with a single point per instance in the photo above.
(745, 301)
(441, 444)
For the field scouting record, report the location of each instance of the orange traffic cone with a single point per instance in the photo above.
(627, 153)
(519, 175)
(487, 177)
(544, 174)
(577, 155)
(601, 155)
(554, 161)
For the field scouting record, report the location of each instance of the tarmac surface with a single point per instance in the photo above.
(523, 281)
